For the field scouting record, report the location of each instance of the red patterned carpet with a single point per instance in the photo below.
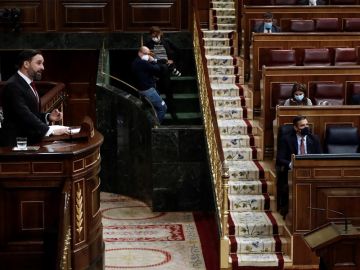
(137, 238)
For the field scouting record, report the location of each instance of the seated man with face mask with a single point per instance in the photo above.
(298, 141)
(268, 25)
(298, 96)
(311, 2)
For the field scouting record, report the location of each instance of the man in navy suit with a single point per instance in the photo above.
(298, 141)
(21, 103)
(268, 25)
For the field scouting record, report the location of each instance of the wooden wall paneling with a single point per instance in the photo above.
(204, 8)
(324, 191)
(139, 15)
(32, 16)
(85, 16)
(118, 15)
(77, 69)
(51, 16)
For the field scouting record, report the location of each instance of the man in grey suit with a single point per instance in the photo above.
(21, 103)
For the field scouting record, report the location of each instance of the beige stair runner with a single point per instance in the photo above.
(255, 236)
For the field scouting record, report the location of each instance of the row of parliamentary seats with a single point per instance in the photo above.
(320, 93)
(321, 25)
(315, 25)
(299, 2)
(313, 57)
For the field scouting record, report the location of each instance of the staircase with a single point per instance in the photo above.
(185, 102)
(256, 234)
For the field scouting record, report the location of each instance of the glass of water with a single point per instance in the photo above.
(21, 143)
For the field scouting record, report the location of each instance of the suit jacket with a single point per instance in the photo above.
(22, 116)
(260, 29)
(289, 145)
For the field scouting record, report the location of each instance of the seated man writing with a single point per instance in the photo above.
(21, 104)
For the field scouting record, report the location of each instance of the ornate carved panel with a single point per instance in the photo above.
(142, 14)
(76, 15)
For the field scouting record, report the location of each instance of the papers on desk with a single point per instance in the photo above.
(74, 130)
(28, 148)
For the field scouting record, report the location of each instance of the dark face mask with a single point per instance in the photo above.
(304, 131)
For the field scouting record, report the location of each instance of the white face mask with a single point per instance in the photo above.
(156, 39)
(145, 57)
(299, 97)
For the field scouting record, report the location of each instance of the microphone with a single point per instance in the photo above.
(334, 211)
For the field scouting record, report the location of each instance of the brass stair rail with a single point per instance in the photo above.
(219, 174)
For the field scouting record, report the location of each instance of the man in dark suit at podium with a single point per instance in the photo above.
(21, 103)
(298, 141)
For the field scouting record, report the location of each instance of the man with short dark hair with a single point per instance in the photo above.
(21, 103)
(298, 141)
(268, 25)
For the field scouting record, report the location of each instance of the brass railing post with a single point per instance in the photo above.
(224, 242)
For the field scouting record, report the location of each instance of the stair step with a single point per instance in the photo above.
(250, 187)
(262, 260)
(241, 154)
(222, 4)
(223, 26)
(218, 33)
(182, 84)
(258, 244)
(221, 42)
(240, 141)
(224, 70)
(233, 113)
(225, 18)
(183, 78)
(233, 79)
(243, 203)
(183, 118)
(230, 89)
(231, 101)
(223, 11)
(242, 170)
(238, 127)
(220, 60)
(254, 224)
(211, 50)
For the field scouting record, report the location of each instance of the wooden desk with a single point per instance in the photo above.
(321, 181)
(34, 210)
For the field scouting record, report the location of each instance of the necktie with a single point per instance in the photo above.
(302, 147)
(34, 90)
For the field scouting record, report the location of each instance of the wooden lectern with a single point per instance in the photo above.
(337, 245)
